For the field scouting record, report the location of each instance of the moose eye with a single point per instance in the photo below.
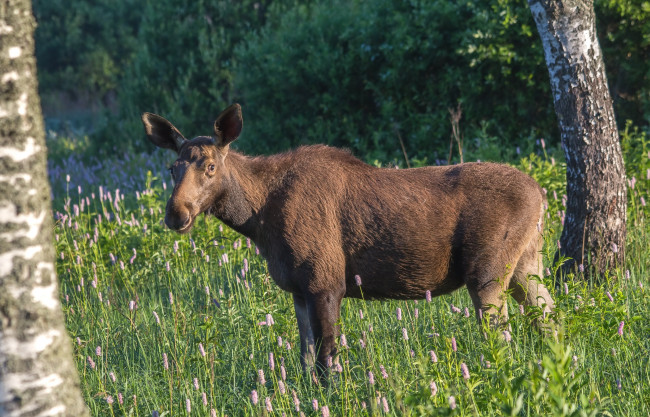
(211, 168)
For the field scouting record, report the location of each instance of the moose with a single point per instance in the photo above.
(331, 226)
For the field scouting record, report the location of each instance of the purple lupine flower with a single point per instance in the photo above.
(269, 320)
(581, 268)
(201, 349)
(131, 305)
(167, 267)
(196, 383)
(361, 314)
(120, 398)
(112, 376)
(325, 411)
(165, 361)
(566, 289)
(314, 404)
(434, 388)
(245, 265)
(455, 309)
(433, 356)
(271, 361)
(464, 371)
(454, 347)
(384, 404)
(188, 405)
(267, 402)
(98, 351)
(254, 397)
(155, 315)
(362, 343)
(452, 402)
(204, 398)
(171, 298)
(296, 401)
(384, 374)
(620, 328)
(399, 313)
(91, 362)
(109, 400)
(135, 254)
(260, 377)
(466, 312)
(405, 335)
(155, 413)
(343, 341)
(371, 378)
(416, 313)
(357, 280)
(427, 295)
(627, 274)
(506, 336)
(281, 387)
(283, 373)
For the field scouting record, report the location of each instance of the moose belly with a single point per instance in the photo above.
(401, 275)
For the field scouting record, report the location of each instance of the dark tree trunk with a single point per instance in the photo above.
(594, 229)
(37, 374)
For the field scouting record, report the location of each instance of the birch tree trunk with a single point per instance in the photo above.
(37, 374)
(595, 223)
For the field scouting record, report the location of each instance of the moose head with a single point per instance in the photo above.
(200, 172)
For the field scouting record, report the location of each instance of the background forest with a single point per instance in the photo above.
(359, 74)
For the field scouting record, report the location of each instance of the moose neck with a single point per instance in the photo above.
(246, 188)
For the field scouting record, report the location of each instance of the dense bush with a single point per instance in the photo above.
(359, 74)
(83, 47)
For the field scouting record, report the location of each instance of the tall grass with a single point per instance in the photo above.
(165, 324)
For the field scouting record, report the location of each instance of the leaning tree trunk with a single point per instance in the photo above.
(37, 374)
(594, 229)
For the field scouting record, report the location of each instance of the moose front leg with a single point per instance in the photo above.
(307, 348)
(324, 312)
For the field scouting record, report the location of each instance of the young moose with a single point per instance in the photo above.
(320, 217)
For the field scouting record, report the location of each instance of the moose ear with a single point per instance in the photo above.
(161, 132)
(228, 125)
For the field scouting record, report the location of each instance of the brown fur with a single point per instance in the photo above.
(320, 216)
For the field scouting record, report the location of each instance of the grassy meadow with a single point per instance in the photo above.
(164, 324)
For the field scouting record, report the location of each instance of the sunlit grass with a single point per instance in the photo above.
(194, 325)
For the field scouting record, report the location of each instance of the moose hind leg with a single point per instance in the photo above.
(526, 284)
(487, 291)
(307, 346)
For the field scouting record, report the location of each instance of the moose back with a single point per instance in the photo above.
(324, 221)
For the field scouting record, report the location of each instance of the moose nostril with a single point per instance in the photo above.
(178, 222)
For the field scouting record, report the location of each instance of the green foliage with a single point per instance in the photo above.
(185, 65)
(356, 73)
(83, 47)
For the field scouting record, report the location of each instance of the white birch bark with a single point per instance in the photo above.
(37, 374)
(595, 224)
